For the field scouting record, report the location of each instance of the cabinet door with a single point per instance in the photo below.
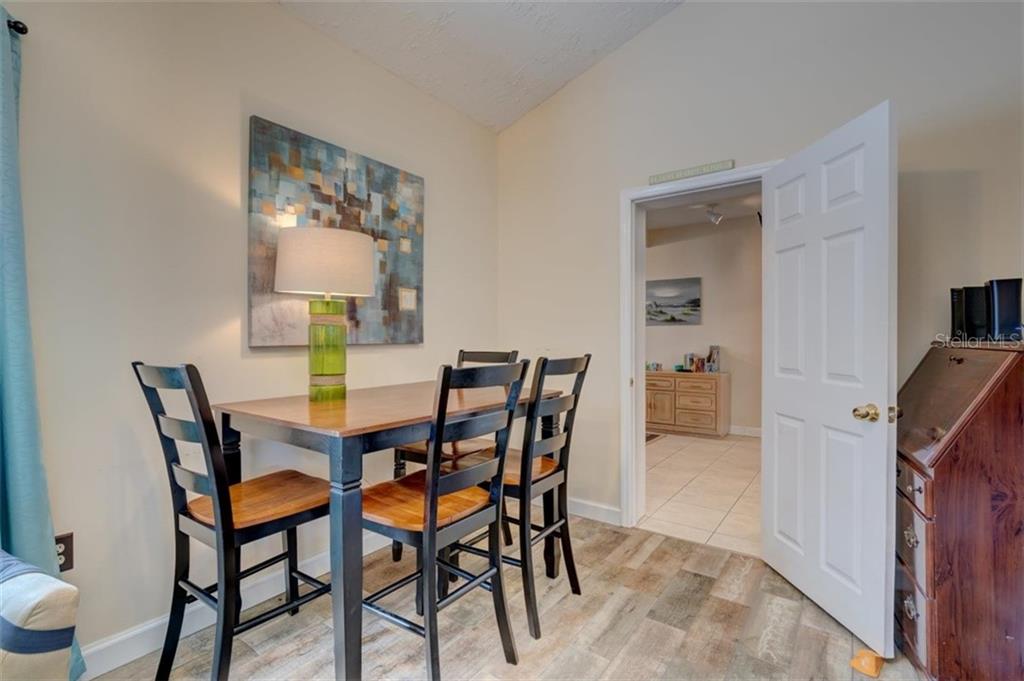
(663, 408)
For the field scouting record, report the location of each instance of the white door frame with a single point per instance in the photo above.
(632, 330)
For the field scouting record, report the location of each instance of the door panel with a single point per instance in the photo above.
(829, 254)
(788, 480)
(844, 306)
(842, 493)
(788, 322)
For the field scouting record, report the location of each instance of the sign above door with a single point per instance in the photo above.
(703, 169)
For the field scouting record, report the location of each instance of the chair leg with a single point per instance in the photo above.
(178, 601)
(291, 547)
(442, 574)
(429, 604)
(454, 561)
(238, 600)
(506, 526)
(526, 563)
(419, 582)
(552, 560)
(563, 532)
(227, 612)
(508, 641)
(396, 546)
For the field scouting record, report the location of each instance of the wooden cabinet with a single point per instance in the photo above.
(960, 514)
(687, 403)
(661, 407)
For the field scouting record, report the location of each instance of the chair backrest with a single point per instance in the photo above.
(445, 429)
(201, 430)
(553, 443)
(486, 357)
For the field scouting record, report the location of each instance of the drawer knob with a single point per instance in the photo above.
(910, 537)
(910, 608)
(911, 489)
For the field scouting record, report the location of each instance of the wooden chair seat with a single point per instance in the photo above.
(399, 503)
(450, 451)
(267, 498)
(542, 466)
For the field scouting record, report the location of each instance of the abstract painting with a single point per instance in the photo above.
(673, 301)
(299, 181)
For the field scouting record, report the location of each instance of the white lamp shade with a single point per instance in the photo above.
(321, 260)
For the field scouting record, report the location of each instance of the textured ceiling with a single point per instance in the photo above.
(494, 61)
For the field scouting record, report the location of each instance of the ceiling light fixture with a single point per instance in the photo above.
(714, 215)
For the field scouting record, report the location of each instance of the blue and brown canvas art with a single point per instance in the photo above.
(300, 181)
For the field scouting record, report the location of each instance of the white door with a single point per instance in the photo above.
(829, 249)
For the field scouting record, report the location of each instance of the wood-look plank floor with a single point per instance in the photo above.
(653, 607)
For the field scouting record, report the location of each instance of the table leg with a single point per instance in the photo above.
(347, 558)
(231, 449)
(552, 551)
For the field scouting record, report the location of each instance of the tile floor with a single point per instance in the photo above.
(706, 491)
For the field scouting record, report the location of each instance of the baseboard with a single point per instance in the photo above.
(595, 511)
(110, 653)
(745, 430)
(591, 510)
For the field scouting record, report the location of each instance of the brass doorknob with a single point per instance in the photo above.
(869, 412)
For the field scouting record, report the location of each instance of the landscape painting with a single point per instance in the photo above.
(673, 301)
(296, 180)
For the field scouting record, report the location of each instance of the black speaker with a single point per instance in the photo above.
(1003, 299)
(958, 325)
(975, 312)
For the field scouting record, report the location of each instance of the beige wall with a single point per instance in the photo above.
(135, 143)
(727, 258)
(134, 140)
(756, 82)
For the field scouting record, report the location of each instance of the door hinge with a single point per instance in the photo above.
(631, 381)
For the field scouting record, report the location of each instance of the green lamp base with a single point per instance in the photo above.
(327, 344)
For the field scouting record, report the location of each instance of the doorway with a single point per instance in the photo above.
(702, 354)
(637, 206)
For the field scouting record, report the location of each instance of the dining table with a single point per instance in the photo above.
(365, 421)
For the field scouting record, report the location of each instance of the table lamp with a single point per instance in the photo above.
(325, 261)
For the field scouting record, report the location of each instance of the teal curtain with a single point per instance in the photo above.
(26, 529)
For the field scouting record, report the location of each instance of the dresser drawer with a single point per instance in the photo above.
(915, 487)
(657, 383)
(696, 419)
(692, 384)
(695, 401)
(913, 538)
(913, 614)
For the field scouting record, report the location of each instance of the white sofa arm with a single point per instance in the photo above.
(37, 622)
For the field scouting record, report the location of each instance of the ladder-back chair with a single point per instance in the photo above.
(541, 467)
(417, 451)
(432, 511)
(226, 515)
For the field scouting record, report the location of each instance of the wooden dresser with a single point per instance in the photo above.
(688, 403)
(960, 515)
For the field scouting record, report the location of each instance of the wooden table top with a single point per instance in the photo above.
(368, 410)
